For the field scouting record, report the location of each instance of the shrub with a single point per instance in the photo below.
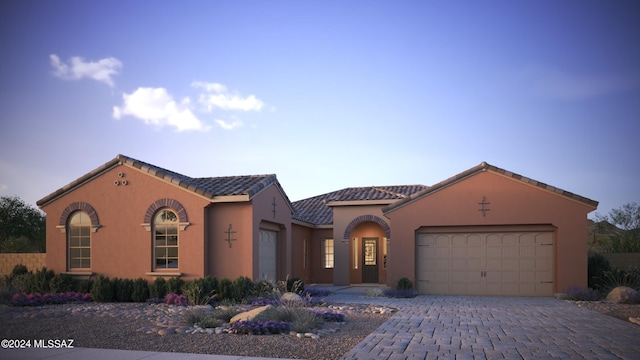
(102, 290)
(23, 299)
(617, 277)
(196, 295)
(631, 298)
(23, 282)
(597, 265)
(401, 293)
(123, 290)
(175, 299)
(18, 270)
(174, 285)
(404, 283)
(242, 288)
(315, 292)
(580, 294)
(330, 316)
(140, 292)
(210, 322)
(62, 283)
(158, 288)
(264, 288)
(83, 286)
(41, 280)
(224, 289)
(225, 313)
(253, 327)
(194, 316)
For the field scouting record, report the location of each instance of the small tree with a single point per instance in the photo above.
(22, 227)
(627, 218)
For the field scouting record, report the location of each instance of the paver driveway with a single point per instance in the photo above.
(469, 327)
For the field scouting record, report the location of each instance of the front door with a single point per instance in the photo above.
(370, 259)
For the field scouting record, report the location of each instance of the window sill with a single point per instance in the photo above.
(79, 275)
(160, 273)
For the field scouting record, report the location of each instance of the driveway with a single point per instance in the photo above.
(469, 327)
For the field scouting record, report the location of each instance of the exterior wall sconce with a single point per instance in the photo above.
(229, 233)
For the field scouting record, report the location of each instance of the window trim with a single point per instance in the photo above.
(326, 262)
(69, 233)
(154, 247)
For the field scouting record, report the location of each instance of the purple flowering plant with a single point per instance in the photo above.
(37, 299)
(176, 299)
(330, 316)
(254, 327)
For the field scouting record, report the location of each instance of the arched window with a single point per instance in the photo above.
(79, 241)
(165, 240)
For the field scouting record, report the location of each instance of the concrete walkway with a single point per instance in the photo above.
(449, 327)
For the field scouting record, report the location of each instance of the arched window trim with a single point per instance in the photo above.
(79, 246)
(78, 206)
(154, 246)
(172, 204)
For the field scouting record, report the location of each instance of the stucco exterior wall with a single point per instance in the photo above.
(300, 234)
(511, 202)
(342, 217)
(320, 274)
(367, 229)
(264, 216)
(234, 259)
(121, 247)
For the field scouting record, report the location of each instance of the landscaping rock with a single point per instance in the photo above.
(621, 293)
(289, 296)
(250, 315)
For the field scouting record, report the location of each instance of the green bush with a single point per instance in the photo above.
(123, 290)
(404, 284)
(210, 322)
(61, 283)
(158, 288)
(19, 269)
(195, 293)
(174, 285)
(597, 265)
(140, 292)
(225, 313)
(84, 286)
(618, 277)
(102, 290)
(41, 281)
(242, 288)
(225, 291)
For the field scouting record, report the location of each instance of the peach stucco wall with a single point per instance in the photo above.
(512, 202)
(342, 217)
(298, 270)
(367, 229)
(264, 217)
(121, 247)
(224, 260)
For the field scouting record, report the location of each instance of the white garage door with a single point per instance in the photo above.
(490, 263)
(267, 255)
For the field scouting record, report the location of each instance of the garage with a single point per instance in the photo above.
(267, 255)
(498, 261)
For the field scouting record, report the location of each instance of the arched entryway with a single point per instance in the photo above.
(367, 240)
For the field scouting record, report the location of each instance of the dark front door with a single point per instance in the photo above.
(370, 259)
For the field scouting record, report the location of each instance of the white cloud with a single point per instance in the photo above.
(103, 70)
(228, 125)
(216, 95)
(157, 107)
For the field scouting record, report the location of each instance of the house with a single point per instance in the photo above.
(486, 231)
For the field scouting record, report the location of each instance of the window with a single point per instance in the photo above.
(79, 241)
(165, 249)
(305, 253)
(327, 253)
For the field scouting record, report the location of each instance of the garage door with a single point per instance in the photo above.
(267, 255)
(488, 263)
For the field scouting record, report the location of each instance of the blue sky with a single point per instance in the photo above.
(325, 94)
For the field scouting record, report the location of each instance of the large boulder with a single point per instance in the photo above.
(250, 315)
(289, 296)
(621, 294)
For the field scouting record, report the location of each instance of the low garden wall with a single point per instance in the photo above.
(622, 261)
(33, 261)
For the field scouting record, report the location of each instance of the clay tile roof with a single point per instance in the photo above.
(209, 187)
(314, 210)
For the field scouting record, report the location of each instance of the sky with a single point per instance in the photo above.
(324, 94)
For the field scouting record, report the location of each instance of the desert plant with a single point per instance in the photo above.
(404, 283)
(597, 264)
(102, 290)
(17, 270)
(401, 293)
(254, 327)
(618, 277)
(210, 322)
(196, 295)
(224, 289)
(580, 294)
(123, 289)
(225, 313)
(373, 292)
(194, 316)
(61, 283)
(174, 285)
(41, 281)
(295, 285)
(158, 288)
(242, 288)
(140, 292)
(176, 299)
(83, 286)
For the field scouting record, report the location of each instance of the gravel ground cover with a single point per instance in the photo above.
(121, 332)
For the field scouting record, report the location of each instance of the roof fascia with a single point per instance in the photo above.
(361, 202)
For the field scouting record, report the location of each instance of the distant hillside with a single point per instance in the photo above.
(600, 233)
